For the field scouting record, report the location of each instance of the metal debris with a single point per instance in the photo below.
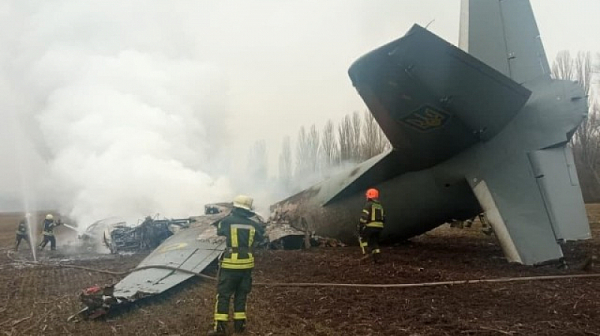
(190, 250)
(145, 236)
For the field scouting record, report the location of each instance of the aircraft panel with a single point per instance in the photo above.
(504, 35)
(518, 213)
(191, 249)
(556, 176)
(433, 100)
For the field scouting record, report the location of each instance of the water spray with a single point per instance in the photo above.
(31, 229)
(24, 179)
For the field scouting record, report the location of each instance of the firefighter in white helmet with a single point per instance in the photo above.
(48, 232)
(236, 264)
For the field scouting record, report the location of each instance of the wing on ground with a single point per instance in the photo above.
(191, 250)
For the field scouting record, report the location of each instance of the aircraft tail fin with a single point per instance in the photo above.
(504, 35)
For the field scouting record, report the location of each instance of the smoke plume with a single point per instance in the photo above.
(121, 115)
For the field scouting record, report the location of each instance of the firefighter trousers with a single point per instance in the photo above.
(22, 237)
(48, 239)
(237, 283)
(370, 237)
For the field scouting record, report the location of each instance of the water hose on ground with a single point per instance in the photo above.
(326, 284)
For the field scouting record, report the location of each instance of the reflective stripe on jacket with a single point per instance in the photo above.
(372, 215)
(49, 228)
(241, 233)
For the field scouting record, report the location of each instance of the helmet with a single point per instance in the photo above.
(243, 201)
(49, 217)
(372, 193)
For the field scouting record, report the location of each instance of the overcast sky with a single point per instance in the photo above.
(92, 93)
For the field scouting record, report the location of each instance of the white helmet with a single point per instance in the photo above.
(49, 217)
(243, 202)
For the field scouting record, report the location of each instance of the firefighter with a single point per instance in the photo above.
(48, 232)
(236, 264)
(371, 224)
(22, 233)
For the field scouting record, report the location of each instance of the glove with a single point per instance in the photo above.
(360, 227)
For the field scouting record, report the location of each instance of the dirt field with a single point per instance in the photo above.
(37, 300)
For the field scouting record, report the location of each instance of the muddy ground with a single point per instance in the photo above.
(37, 300)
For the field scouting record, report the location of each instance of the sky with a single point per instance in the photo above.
(144, 106)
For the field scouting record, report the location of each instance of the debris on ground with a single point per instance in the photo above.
(145, 236)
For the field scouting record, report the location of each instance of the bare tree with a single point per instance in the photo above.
(562, 68)
(583, 71)
(356, 135)
(302, 155)
(313, 149)
(329, 149)
(345, 139)
(374, 141)
(285, 164)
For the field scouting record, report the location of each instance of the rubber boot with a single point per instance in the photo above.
(239, 326)
(219, 330)
(377, 258)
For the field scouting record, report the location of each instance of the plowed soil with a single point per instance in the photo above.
(37, 300)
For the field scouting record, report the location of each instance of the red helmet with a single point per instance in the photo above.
(372, 193)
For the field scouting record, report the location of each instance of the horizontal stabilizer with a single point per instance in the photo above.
(554, 170)
(533, 202)
(432, 99)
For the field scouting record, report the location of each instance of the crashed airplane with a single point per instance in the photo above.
(480, 128)
(483, 128)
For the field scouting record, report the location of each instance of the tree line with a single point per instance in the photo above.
(320, 152)
(586, 140)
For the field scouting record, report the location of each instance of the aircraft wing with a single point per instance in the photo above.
(432, 99)
(191, 249)
(504, 35)
(533, 202)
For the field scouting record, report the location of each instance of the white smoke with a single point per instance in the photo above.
(127, 117)
(120, 108)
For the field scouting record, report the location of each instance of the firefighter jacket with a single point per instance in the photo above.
(372, 215)
(49, 226)
(22, 229)
(241, 233)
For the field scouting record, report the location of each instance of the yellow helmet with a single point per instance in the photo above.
(243, 201)
(49, 217)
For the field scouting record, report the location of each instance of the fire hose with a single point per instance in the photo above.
(403, 285)
(328, 284)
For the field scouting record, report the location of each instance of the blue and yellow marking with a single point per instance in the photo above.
(173, 247)
(427, 118)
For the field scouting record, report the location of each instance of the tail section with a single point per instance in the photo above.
(504, 35)
(433, 100)
(554, 170)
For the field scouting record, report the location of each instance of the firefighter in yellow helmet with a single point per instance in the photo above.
(48, 232)
(236, 264)
(371, 224)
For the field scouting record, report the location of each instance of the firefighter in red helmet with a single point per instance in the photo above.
(371, 224)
